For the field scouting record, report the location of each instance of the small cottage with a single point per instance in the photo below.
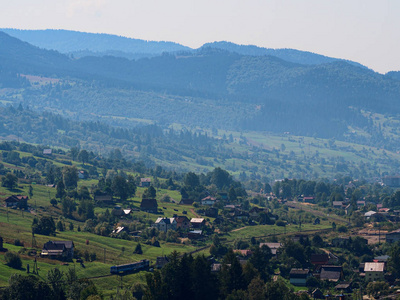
(17, 201)
(58, 249)
(299, 277)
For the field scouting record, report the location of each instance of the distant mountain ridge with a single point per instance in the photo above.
(291, 55)
(262, 93)
(66, 41)
(82, 44)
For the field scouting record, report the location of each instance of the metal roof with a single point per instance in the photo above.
(374, 267)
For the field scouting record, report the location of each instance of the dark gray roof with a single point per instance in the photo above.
(299, 273)
(67, 244)
(332, 273)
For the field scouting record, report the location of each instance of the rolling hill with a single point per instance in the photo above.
(211, 88)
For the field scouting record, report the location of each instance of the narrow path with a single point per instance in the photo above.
(196, 214)
(237, 229)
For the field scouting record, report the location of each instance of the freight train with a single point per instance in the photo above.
(140, 265)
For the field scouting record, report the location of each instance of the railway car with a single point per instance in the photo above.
(140, 265)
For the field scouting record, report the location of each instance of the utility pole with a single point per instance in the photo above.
(379, 238)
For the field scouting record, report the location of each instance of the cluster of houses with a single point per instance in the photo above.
(183, 223)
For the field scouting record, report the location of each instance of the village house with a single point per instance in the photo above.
(182, 222)
(360, 204)
(195, 234)
(308, 199)
(149, 205)
(344, 287)
(331, 273)
(374, 271)
(17, 201)
(369, 214)
(197, 222)
(239, 214)
(105, 199)
(186, 202)
(47, 151)
(255, 212)
(58, 249)
(208, 200)
(299, 277)
(119, 212)
(393, 237)
(145, 182)
(165, 224)
(323, 259)
(229, 207)
(273, 246)
(337, 204)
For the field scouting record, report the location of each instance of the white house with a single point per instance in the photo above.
(208, 201)
(165, 224)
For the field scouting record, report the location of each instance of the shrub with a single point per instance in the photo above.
(166, 198)
(13, 260)
(280, 223)
(17, 242)
(93, 256)
(342, 229)
(86, 255)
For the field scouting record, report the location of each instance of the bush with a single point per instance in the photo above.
(280, 223)
(93, 256)
(342, 229)
(13, 260)
(17, 242)
(166, 198)
(53, 202)
(86, 255)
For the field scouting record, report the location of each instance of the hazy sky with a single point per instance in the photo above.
(366, 31)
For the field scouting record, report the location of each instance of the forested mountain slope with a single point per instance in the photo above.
(83, 43)
(292, 55)
(245, 92)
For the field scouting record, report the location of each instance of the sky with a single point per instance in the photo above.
(365, 31)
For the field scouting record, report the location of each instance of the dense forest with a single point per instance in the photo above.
(191, 94)
(321, 100)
